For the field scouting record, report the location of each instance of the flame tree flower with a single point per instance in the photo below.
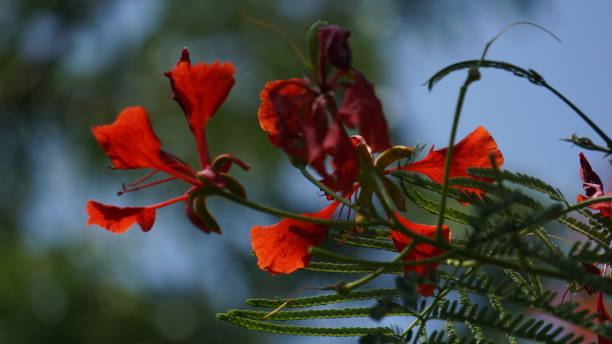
(283, 247)
(302, 117)
(130, 143)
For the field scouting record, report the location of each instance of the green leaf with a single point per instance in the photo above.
(323, 299)
(263, 326)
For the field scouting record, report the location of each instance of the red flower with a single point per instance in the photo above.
(301, 115)
(593, 188)
(283, 248)
(420, 251)
(472, 151)
(130, 143)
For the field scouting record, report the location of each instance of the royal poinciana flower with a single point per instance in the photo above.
(302, 117)
(593, 188)
(130, 143)
(420, 251)
(283, 247)
(472, 151)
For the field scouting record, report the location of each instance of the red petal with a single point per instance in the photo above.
(283, 248)
(360, 107)
(278, 114)
(119, 219)
(339, 146)
(131, 143)
(591, 182)
(421, 251)
(200, 90)
(472, 151)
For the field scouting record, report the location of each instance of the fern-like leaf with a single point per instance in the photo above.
(263, 326)
(323, 299)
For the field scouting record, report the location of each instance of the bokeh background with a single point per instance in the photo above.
(68, 65)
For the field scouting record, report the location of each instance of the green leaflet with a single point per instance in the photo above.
(520, 179)
(506, 290)
(323, 299)
(361, 241)
(264, 326)
(516, 326)
(347, 268)
(313, 314)
(432, 206)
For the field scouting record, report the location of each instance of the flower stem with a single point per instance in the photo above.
(581, 114)
(473, 75)
(323, 253)
(286, 214)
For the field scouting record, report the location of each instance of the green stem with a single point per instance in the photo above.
(286, 214)
(581, 114)
(323, 253)
(584, 204)
(449, 151)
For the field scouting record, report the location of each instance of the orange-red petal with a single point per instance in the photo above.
(421, 251)
(472, 151)
(605, 208)
(200, 90)
(130, 141)
(268, 115)
(283, 247)
(119, 219)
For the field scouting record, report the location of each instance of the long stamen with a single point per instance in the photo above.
(170, 201)
(147, 176)
(119, 193)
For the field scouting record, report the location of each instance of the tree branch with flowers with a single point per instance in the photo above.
(496, 245)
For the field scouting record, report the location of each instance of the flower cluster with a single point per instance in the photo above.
(310, 118)
(131, 143)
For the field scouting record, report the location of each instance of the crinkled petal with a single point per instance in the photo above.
(360, 107)
(421, 251)
(283, 247)
(282, 101)
(131, 143)
(119, 219)
(200, 90)
(472, 151)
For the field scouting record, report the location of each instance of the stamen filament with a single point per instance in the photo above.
(170, 201)
(147, 176)
(119, 193)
